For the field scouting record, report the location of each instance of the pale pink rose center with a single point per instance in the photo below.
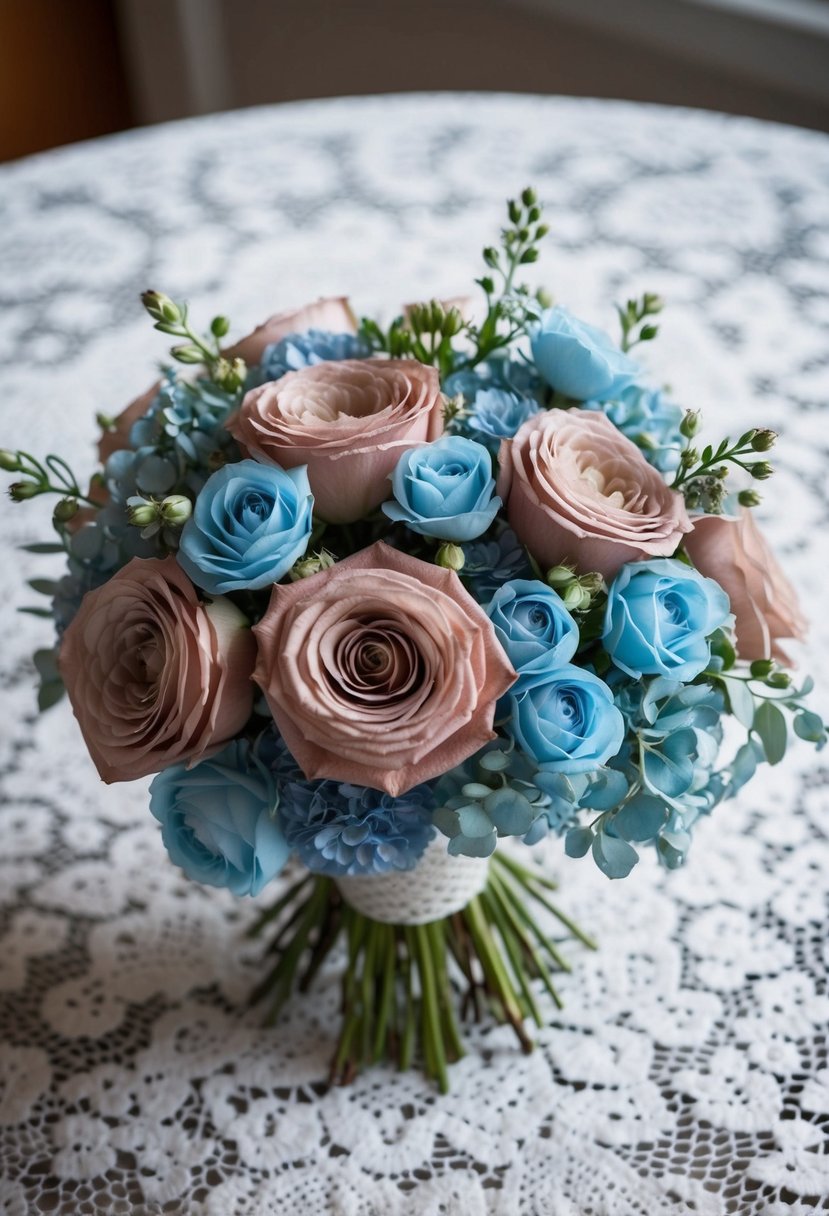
(346, 391)
(376, 661)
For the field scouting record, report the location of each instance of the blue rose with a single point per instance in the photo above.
(251, 522)
(218, 820)
(497, 414)
(578, 360)
(445, 489)
(649, 420)
(533, 626)
(659, 617)
(566, 720)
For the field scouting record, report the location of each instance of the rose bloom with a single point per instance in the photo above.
(578, 489)
(334, 315)
(735, 554)
(348, 421)
(381, 671)
(155, 676)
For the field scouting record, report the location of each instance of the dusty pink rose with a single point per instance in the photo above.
(348, 421)
(333, 314)
(382, 670)
(155, 676)
(578, 489)
(735, 554)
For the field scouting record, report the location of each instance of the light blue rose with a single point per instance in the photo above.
(251, 522)
(533, 626)
(659, 617)
(566, 720)
(497, 414)
(218, 820)
(445, 489)
(578, 360)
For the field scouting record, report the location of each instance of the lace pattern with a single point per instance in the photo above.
(688, 1071)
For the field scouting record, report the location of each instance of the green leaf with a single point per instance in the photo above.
(614, 857)
(43, 547)
(44, 586)
(809, 726)
(578, 841)
(770, 725)
(49, 694)
(741, 700)
(41, 612)
(721, 647)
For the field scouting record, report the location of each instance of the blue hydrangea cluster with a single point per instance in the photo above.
(497, 397)
(648, 418)
(303, 350)
(488, 564)
(341, 829)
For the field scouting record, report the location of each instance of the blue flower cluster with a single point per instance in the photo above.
(341, 829)
(648, 419)
(303, 350)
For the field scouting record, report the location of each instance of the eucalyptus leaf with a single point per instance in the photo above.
(614, 857)
(770, 725)
(742, 702)
(577, 842)
(809, 726)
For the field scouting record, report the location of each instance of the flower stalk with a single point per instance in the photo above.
(405, 987)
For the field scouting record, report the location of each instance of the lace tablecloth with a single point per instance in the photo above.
(688, 1071)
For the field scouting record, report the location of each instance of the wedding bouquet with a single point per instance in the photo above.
(367, 600)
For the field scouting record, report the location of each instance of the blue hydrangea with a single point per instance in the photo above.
(649, 420)
(497, 414)
(178, 442)
(342, 829)
(303, 350)
(491, 563)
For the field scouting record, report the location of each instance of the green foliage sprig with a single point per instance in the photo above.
(171, 318)
(633, 318)
(700, 477)
(53, 476)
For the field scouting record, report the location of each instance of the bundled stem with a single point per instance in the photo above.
(402, 984)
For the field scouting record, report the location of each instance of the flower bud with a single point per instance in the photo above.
(529, 197)
(689, 457)
(219, 326)
(592, 583)
(65, 510)
(560, 576)
(161, 307)
(176, 509)
(451, 557)
(19, 491)
(761, 470)
(761, 668)
(141, 512)
(575, 598)
(763, 440)
(187, 353)
(313, 564)
(690, 424)
(9, 461)
(748, 498)
(779, 679)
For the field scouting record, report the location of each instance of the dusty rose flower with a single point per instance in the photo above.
(155, 676)
(333, 314)
(382, 670)
(577, 488)
(735, 554)
(348, 421)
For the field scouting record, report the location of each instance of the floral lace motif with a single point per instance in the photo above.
(688, 1071)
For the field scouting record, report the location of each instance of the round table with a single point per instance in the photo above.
(687, 1072)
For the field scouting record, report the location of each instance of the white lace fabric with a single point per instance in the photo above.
(687, 1072)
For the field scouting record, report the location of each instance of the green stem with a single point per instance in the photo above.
(431, 1016)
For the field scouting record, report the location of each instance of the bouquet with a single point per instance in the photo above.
(368, 600)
